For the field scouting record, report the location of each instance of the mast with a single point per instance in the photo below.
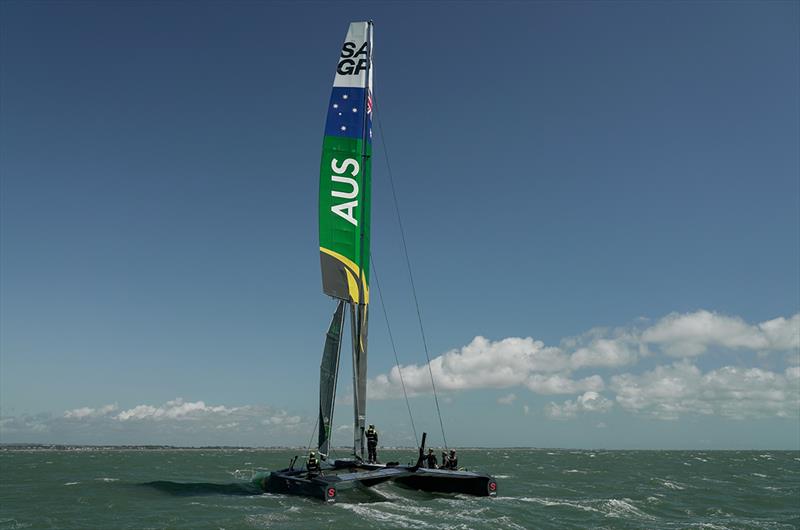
(361, 309)
(344, 205)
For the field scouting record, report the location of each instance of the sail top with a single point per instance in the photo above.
(344, 189)
(354, 67)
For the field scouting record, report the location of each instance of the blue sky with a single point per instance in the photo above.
(607, 194)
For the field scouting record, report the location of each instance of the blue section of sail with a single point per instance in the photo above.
(346, 113)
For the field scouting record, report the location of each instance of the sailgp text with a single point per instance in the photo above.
(345, 209)
(351, 64)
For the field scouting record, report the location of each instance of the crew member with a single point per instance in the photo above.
(453, 460)
(312, 464)
(445, 460)
(372, 444)
(431, 460)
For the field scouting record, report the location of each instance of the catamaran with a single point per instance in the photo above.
(344, 250)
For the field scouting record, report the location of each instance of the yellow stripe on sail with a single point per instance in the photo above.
(352, 285)
(354, 270)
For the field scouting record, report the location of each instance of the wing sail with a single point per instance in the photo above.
(344, 185)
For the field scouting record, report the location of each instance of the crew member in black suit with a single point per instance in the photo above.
(372, 444)
(312, 464)
(431, 460)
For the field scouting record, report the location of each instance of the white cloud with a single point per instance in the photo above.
(87, 412)
(480, 364)
(606, 352)
(177, 409)
(281, 418)
(587, 402)
(515, 361)
(176, 422)
(667, 392)
(79, 413)
(25, 425)
(594, 402)
(507, 400)
(559, 384)
(691, 334)
(782, 334)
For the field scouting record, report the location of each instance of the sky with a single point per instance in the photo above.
(601, 202)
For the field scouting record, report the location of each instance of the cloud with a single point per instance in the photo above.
(85, 412)
(559, 384)
(667, 392)
(281, 418)
(82, 412)
(587, 402)
(507, 400)
(516, 362)
(480, 364)
(25, 424)
(782, 334)
(526, 409)
(594, 349)
(691, 334)
(176, 422)
(176, 409)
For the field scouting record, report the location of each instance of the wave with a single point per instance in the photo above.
(14, 524)
(191, 489)
(624, 508)
(672, 485)
(386, 519)
(559, 502)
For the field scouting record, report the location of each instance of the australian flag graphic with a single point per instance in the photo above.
(346, 112)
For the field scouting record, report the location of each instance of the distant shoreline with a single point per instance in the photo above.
(31, 447)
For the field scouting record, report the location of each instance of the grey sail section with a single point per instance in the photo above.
(359, 324)
(328, 373)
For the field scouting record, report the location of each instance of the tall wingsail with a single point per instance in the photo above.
(328, 372)
(344, 201)
(344, 184)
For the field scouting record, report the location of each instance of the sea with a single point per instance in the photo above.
(537, 488)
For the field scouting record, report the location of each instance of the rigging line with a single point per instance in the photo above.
(311, 439)
(394, 349)
(408, 264)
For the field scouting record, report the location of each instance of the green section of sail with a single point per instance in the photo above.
(344, 218)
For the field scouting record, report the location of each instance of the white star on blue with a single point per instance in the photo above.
(347, 124)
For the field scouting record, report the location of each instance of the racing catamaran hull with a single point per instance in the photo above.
(328, 485)
(450, 481)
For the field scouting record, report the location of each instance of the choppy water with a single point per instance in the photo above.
(537, 489)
